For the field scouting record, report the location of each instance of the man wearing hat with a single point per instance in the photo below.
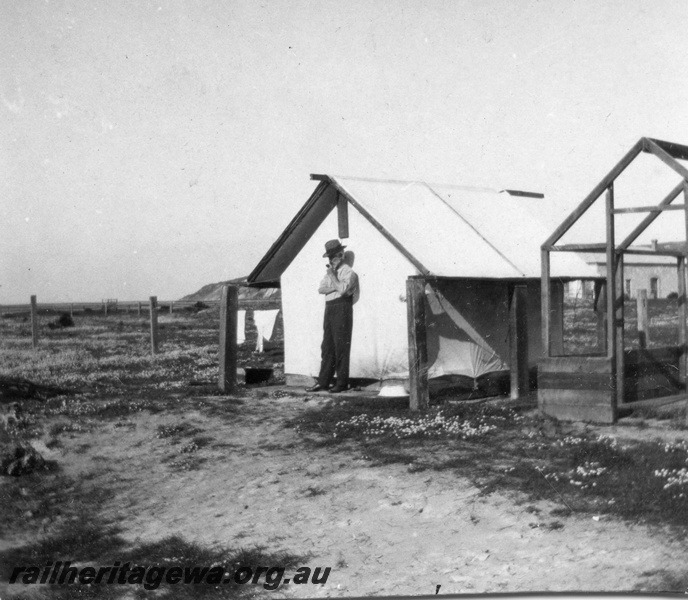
(340, 287)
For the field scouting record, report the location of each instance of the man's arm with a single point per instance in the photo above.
(345, 282)
(326, 286)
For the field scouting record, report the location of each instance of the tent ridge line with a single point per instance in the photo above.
(381, 228)
(480, 235)
(474, 188)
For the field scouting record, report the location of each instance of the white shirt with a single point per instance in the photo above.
(344, 284)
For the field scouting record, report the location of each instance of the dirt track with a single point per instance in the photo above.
(383, 530)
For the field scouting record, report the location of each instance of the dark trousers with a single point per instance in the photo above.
(336, 345)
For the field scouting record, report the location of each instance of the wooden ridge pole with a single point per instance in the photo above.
(227, 354)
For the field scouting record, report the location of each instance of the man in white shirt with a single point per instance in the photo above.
(340, 287)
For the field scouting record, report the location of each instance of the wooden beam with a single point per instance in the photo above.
(650, 252)
(619, 320)
(611, 293)
(518, 342)
(342, 216)
(642, 209)
(545, 302)
(596, 193)
(682, 264)
(665, 157)
(524, 194)
(645, 223)
(676, 150)
(578, 248)
(227, 354)
(682, 315)
(417, 344)
(322, 187)
(610, 287)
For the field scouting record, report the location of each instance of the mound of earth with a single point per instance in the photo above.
(213, 292)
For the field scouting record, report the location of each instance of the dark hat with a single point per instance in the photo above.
(332, 247)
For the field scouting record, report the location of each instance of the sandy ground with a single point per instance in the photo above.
(382, 530)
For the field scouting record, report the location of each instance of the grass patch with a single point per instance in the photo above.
(498, 448)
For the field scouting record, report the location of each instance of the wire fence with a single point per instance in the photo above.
(107, 307)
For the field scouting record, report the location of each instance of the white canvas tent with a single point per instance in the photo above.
(472, 245)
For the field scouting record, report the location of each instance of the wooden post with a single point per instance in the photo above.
(643, 333)
(154, 324)
(682, 315)
(518, 342)
(105, 308)
(619, 320)
(557, 318)
(682, 291)
(229, 306)
(34, 322)
(139, 309)
(545, 301)
(417, 344)
(611, 294)
(171, 307)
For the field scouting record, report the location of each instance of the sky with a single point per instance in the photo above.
(150, 148)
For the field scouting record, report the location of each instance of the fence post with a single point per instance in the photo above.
(643, 329)
(171, 307)
(34, 322)
(154, 324)
(139, 309)
(227, 354)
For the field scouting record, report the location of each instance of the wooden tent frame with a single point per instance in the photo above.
(609, 370)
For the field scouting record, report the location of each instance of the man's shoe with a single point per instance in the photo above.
(338, 390)
(316, 388)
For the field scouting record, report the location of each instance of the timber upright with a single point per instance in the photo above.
(595, 387)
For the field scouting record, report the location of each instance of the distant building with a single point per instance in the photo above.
(655, 273)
